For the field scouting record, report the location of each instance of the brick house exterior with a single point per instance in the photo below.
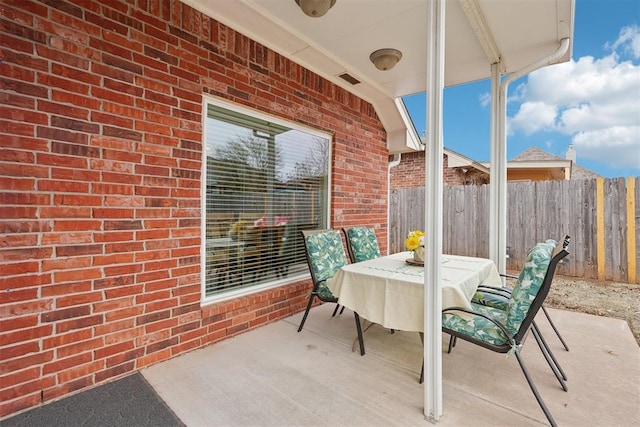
(100, 177)
(410, 172)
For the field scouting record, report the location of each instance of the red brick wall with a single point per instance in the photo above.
(100, 169)
(451, 176)
(410, 172)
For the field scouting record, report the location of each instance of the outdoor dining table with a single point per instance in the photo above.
(390, 291)
(223, 243)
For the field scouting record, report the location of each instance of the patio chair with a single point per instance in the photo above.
(272, 256)
(251, 254)
(217, 266)
(218, 224)
(325, 256)
(499, 298)
(362, 244)
(505, 331)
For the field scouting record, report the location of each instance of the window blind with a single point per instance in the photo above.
(265, 182)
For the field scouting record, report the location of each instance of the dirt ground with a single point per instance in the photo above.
(610, 299)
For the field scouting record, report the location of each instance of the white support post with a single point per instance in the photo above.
(498, 174)
(433, 207)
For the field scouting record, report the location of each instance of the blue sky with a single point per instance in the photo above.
(593, 101)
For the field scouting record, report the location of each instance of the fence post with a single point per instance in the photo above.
(600, 241)
(631, 230)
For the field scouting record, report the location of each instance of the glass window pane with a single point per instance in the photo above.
(265, 181)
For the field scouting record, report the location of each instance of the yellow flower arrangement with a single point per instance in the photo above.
(237, 229)
(239, 226)
(414, 240)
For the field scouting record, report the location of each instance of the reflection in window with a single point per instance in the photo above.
(265, 181)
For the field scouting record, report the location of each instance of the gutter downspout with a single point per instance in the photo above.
(396, 160)
(498, 171)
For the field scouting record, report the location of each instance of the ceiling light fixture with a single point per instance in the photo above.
(315, 8)
(385, 59)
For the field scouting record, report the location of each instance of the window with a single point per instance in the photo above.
(266, 180)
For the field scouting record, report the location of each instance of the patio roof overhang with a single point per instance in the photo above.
(478, 33)
(470, 40)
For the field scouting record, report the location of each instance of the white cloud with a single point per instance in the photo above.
(533, 117)
(628, 40)
(615, 146)
(594, 101)
(485, 99)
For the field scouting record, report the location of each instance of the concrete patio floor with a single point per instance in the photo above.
(274, 376)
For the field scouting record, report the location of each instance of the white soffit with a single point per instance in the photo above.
(522, 31)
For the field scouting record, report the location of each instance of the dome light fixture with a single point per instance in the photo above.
(315, 8)
(385, 59)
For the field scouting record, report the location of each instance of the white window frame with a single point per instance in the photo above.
(236, 293)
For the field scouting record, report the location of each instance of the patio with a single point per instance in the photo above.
(104, 267)
(275, 376)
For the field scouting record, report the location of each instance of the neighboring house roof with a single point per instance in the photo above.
(457, 160)
(535, 154)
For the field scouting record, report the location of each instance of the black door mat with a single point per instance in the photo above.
(128, 402)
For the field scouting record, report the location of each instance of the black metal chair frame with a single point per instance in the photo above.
(542, 343)
(517, 341)
(505, 292)
(315, 294)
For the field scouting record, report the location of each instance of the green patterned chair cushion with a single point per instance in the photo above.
(478, 327)
(326, 255)
(364, 244)
(494, 299)
(528, 284)
(491, 300)
(324, 293)
(510, 312)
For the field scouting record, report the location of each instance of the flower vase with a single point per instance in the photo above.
(418, 254)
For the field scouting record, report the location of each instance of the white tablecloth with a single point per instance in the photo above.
(223, 243)
(389, 291)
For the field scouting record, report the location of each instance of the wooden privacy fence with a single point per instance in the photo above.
(602, 216)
